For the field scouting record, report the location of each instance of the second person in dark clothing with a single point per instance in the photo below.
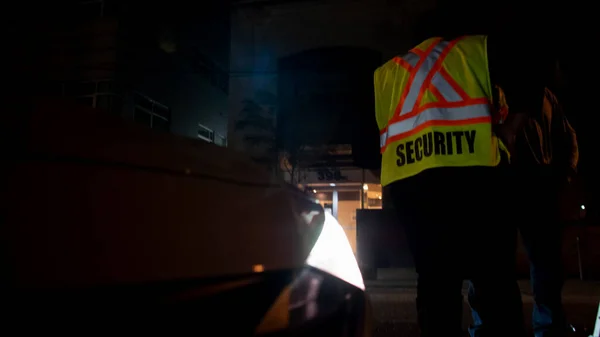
(544, 160)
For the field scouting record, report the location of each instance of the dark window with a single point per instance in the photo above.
(160, 124)
(205, 133)
(104, 102)
(144, 103)
(110, 103)
(142, 117)
(220, 140)
(151, 113)
(89, 101)
(80, 88)
(116, 105)
(105, 86)
(161, 111)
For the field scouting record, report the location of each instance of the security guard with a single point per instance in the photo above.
(440, 152)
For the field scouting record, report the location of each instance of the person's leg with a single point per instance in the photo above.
(494, 295)
(542, 237)
(544, 249)
(496, 305)
(436, 239)
(486, 315)
(439, 305)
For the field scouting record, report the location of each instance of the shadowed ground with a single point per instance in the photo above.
(393, 299)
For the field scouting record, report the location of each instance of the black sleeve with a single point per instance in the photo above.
(564, 139)
(517, 67)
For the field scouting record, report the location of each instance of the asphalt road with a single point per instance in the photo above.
(394, 313)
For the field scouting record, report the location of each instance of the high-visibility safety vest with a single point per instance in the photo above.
(433, 108)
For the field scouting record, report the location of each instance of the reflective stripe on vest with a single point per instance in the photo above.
(453, 106)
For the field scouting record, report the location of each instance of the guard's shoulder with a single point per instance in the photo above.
(391, 64)
(474, 39)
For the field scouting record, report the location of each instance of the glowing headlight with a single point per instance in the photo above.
(597, 326)
(331, 283)
(332, 254)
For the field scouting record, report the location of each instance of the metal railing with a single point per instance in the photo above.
(207, 134)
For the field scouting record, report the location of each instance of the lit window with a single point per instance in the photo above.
(205, 133)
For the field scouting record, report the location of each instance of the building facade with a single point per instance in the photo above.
(307, 68)
(157, 64)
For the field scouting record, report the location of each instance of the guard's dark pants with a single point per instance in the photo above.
(457, 229)
(541, 230)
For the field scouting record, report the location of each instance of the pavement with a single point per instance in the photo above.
(393, 300)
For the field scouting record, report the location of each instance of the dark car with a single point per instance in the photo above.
(110, 228)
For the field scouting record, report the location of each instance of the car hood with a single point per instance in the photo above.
(95, 200)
